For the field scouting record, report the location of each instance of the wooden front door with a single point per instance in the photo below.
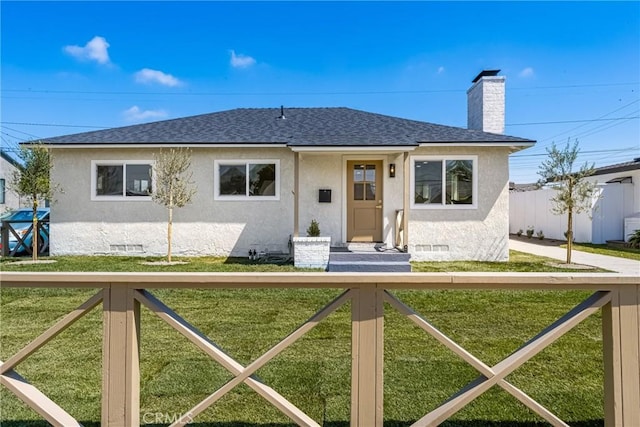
(364, 201)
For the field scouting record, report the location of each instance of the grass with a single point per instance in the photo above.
(604, 249)
(518, 262)
(314, 373)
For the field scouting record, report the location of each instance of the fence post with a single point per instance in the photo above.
(120, 357)
(367, 349)
(621, 342)
(4, 236)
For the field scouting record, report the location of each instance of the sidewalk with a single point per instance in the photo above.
(619, 265)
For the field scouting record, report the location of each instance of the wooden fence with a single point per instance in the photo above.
(7, 230)
(122, 294)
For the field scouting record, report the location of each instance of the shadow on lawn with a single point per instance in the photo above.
(388, 423)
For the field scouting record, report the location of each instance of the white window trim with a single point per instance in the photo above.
(216, 180)
(442, 205)
(123, 197)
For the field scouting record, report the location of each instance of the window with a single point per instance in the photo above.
(2, 191)
(117, 180)
(444, 183)
(364, 182)
(247, 179)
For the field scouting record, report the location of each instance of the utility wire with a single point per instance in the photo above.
(511, 124)
(581, 152)
(539, 145)
(572, 121)
(53, 125)
(19, 131)
(85, 92)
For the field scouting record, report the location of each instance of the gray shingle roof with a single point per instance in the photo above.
(619, 167)
(302, 127)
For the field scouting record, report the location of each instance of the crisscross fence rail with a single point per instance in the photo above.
(7, 231)
(122, 294)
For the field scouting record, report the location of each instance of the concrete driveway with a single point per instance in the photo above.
(619, 265)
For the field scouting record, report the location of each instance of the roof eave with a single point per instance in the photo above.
(514, 146)
(167, 145)
(351, 148)
(609, 170)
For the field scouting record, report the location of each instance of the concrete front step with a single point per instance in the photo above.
(370, 256)
(369, 267)
(368, 259)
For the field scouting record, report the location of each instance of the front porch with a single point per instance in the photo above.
(355, 195)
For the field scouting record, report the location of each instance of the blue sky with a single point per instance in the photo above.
(572, 68)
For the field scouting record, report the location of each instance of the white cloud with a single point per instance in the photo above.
(147, 75)
(440, 70)
(135, 114)
(527, 72)
(94, 50)
(241, 61)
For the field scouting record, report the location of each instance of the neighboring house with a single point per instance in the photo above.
(615, 209)
(9, 199)
(264, 173)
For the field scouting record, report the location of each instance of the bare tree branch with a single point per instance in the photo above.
(573, 193)
(174, 185)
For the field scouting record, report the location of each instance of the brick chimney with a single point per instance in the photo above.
(485, 102)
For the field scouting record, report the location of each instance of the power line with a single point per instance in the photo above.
(54, 125)
(19, 131)
(13, 136)
(510, 124)
(572, 121)
(585, 124)
(373, 92)
(600, 128)
(515, 157)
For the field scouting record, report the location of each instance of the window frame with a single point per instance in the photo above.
(3, 191)
(246, 197)
(443, 159)
(124, 163)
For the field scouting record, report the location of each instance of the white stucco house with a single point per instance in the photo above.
(613, 216)
(9, 199)
(263, 174)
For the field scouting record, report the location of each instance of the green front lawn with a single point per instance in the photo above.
(518, 262)
(314, 373)
(629, 253)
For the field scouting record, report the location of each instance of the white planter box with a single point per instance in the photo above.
(311, 252)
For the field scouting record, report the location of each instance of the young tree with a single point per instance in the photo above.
(174, 187)
(33, 182)
(573, 193)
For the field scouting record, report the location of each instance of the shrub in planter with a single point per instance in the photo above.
(314, 229)
(634, 239)
(530, 232)
(313, 250)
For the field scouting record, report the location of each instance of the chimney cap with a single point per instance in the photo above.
(485, 73)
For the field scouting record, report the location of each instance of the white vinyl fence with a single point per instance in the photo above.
(611, 204)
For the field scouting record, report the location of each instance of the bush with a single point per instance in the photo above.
(314, 229)
(519, 232)
(530, 231)
(540, 235)
(634, 239)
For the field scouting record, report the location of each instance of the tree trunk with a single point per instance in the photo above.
(169, 233)
(569, 234)
(34, 232)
